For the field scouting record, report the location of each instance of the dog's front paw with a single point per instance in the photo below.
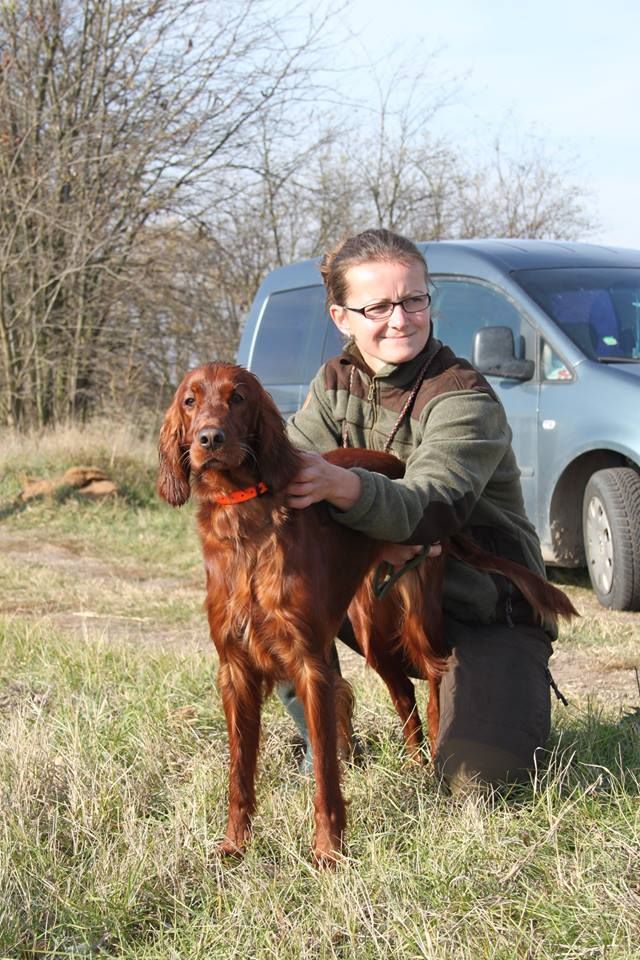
(229, 849)
(328, 857)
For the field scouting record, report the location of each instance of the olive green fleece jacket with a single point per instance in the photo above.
(460, 469)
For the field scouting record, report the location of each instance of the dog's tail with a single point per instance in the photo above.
(417, 598)
(547, 602)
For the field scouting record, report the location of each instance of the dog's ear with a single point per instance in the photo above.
(173, 474)
(276, 456)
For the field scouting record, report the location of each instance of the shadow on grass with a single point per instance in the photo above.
(569, 576)
(12, 509)
(596, 741)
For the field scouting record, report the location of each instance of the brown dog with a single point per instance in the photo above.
(280, 582)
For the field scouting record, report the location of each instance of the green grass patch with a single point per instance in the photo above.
(112, 529)
(113, 772)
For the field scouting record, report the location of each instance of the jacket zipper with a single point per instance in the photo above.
(372, 398)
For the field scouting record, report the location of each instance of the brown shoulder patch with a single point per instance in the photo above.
(341, 374)
(447, 375)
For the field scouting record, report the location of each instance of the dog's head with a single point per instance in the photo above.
(222, 420)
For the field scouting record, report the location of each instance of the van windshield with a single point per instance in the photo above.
(597, 307)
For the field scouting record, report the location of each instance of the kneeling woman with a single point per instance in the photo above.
(396, 388)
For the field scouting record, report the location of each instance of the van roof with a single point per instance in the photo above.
(482, 258)
(509, 255)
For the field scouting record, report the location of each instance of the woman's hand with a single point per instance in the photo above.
(397, 554)
(318, 480)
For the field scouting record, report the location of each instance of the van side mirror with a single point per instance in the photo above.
(494, 355)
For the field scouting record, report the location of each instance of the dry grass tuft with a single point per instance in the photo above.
(99, 439)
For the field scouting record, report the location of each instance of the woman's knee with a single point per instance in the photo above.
(495, 707)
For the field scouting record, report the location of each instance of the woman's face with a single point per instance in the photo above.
(401, 336)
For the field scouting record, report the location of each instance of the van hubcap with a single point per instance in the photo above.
(599, 546)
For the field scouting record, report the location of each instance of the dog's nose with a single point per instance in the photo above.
(211, 437)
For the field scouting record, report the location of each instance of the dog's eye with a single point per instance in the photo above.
(189, 401)
(236, 397)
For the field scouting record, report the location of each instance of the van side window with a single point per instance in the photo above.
(460, 307)
(553, 366)
(290, 336)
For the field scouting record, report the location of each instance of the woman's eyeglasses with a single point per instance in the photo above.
(384, 308)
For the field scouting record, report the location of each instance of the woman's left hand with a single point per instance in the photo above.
(318, 480)
(397, 554)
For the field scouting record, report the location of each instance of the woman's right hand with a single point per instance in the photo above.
(317, 479)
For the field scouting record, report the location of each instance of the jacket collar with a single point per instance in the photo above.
(393, 374)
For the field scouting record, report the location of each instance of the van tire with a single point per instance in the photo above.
(611, 534)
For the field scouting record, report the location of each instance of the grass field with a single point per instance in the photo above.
(113, 771)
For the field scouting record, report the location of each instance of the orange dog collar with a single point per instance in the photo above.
(239, 496)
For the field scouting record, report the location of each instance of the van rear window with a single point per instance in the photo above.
(291, 329)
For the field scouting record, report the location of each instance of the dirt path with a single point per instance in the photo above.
(24, 556)
(599, 658)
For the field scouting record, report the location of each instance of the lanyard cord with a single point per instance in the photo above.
(401, 416)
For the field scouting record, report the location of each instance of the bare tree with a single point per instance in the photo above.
(432, 187)
(383, 166)
(116, 119)
(158, 158)
(530, 191)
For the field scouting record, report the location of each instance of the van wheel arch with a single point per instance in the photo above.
(565, 510)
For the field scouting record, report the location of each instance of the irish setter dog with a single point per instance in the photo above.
(280, 582)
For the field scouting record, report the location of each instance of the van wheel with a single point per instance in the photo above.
(611, 532)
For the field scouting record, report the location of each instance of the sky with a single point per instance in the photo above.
(566, 71)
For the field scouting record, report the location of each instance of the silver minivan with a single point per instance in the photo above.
(555, 326)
